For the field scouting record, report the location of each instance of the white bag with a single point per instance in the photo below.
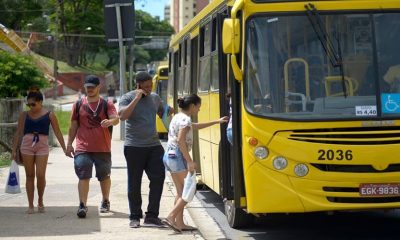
(189, 186)
(12, 185)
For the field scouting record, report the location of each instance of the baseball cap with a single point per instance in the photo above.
(91, 81)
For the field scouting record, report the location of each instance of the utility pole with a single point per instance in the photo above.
(124, 17)
(55, 54)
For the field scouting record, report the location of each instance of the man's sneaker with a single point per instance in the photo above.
(153, 222)
(82, 210)
(134, 223)
(105, 206)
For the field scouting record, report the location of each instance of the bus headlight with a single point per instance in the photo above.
(261, 152)
(301, 170)
(280, 163)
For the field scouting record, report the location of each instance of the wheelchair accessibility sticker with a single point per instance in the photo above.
(390, 102)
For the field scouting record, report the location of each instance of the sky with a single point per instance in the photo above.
(154, 7)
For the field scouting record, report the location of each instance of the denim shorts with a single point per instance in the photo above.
(83, 163)
(176, 163)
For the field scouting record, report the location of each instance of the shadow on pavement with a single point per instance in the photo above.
(342, 225)
(56, 221)
(362, 225)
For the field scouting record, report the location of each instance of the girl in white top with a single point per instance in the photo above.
(177, 159)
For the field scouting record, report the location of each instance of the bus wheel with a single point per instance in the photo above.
(237, 217)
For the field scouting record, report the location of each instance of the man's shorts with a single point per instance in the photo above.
(174, 163)
(83, 163)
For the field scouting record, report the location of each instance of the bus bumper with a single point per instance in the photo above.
(269, 191)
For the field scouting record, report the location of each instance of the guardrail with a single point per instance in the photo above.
(8, 124)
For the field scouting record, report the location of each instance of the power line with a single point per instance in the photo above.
(32, 10)
(91, 35)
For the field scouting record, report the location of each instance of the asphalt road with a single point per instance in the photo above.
(367, 225)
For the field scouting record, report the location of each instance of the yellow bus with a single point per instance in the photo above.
(160, 84)
(315, 91)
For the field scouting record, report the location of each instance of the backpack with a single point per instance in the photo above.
(105, 107)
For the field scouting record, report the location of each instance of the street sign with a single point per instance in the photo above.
(127, 16)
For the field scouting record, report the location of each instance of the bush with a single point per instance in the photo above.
(5, 159)
(17, 74)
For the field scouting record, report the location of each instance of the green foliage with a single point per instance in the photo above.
(146, 25)
(17, 74)
(141, 55)
(15, 14)
(64, 120)
(5, 159)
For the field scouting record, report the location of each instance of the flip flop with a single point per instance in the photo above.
(189, 228)
(171, 225)
(41, 209)
(30, 211)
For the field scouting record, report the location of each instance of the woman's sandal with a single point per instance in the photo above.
(41, 209)
(171, 225)
(30, 211)
(189, 228)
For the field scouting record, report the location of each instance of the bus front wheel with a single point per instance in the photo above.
(237, 217)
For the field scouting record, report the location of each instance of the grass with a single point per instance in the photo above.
(63, 67)
(5, 159)
(64, 120)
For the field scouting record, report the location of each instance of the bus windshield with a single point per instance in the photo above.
(289, 72)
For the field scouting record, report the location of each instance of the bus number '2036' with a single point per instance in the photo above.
(335, 155)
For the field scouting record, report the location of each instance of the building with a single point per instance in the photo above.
(167, 13)
(182, 11)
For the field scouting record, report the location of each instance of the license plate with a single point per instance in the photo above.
(379, 189)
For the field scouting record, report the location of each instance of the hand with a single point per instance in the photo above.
(223, 119)
(139, 93)
(13, 154)
(191, 166)
(70, 152)
(106, 123)
(170, 111)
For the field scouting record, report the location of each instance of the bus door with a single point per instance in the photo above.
(215, 137)
(194, 58)
(203, 90)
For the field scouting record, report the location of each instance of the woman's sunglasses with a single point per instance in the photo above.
(31, 104)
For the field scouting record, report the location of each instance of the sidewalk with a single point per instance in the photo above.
(61, 201)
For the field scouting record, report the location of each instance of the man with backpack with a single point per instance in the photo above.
(91, 121)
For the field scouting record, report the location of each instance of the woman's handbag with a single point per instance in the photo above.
(12, 185)
(189, 186)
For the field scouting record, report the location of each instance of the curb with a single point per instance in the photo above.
(186, 214)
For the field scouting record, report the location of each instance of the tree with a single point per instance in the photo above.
(146, 25)
(15, 14)
(17, 74)
(76, 17)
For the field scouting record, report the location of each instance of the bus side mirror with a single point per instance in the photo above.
(231, 36)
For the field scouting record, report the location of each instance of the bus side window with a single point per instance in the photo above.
(205, 47)
(214, 57)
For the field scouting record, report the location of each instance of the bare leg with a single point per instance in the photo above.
(176, 215)
(29, 165)
(83, 188)
(105, 188)
(41, 165)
